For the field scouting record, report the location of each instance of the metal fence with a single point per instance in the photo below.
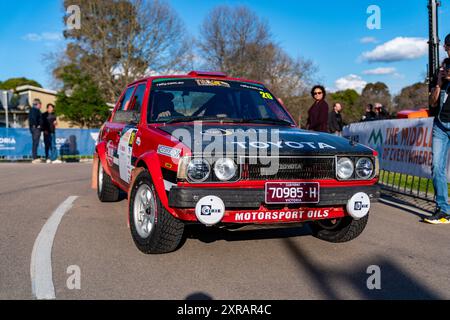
(406, 184)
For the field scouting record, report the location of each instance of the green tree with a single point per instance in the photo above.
(376, 93)
(13, 83)
(413, 97)
(233, 39)
(349, 99)
(123, 40)
(298, 106)
(80, 102)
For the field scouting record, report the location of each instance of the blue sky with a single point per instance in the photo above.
(331, 33)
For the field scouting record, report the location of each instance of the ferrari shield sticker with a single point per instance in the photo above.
(124, 152)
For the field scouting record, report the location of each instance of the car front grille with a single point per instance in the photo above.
(292, 168)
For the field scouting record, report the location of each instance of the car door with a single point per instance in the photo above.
(114, 132)
(128, 133)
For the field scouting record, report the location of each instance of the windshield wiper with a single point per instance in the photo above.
(202, 118)
(271, 120)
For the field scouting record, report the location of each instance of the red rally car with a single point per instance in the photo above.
(210, 149)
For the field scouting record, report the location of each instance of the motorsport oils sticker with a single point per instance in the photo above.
(287, 215)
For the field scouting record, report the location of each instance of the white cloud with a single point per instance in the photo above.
(398, 49)
(52, 36)
(380, 71)
(44, 36)
(330, 90)
(399, 75)
(32, 37)
(368, 40)
(152, 73)
(352, 81)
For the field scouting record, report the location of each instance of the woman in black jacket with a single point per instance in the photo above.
(318, 113)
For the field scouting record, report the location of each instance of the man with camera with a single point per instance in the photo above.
(441, 140)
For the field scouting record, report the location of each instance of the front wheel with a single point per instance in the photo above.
(153, 228)
(339, 230)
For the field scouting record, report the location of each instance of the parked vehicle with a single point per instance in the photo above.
(207, 148)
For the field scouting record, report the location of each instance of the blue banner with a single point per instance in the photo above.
(16, 143)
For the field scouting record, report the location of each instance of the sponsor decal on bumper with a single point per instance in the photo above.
(265, 216)
(284, 215)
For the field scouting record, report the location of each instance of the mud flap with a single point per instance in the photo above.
(95, 172)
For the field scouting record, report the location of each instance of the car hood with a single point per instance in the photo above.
(271, 140)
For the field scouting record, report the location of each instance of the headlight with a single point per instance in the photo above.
(198, 170)
(225, 169)
(345, 168)
(364, 168)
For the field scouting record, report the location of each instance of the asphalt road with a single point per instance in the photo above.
(413, 257)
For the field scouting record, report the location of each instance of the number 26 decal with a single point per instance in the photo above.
(266, 95)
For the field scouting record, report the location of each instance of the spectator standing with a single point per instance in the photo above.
(380, 112)
(35, 120)
(48, 127)
(318, 113)
(369, 115)
(335, 123)
(441, 140)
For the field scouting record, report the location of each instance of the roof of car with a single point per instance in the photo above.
(197, 75)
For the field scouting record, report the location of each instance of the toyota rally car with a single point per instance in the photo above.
(206, 148)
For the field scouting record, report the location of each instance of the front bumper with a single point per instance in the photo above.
(249, 198)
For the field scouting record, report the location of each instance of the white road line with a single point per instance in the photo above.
(41, 257)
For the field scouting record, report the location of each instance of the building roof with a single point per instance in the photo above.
(36, 89)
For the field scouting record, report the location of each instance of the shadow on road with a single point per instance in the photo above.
(407, 207)
(396, 283)
(199, 296)
(408, 203)
(212, 234)
(42, 186)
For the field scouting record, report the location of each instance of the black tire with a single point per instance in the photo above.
(344, 230)
(167, 231)
(106, 190)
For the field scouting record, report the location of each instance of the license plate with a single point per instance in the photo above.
(292, 192)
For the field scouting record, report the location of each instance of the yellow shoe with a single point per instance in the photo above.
(438, 218)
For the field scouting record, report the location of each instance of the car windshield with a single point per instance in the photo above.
(179, 100)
